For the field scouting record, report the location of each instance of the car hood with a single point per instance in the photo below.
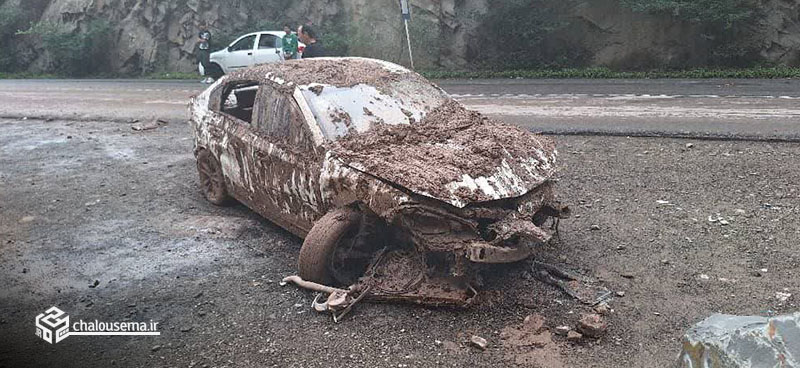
(454, 155)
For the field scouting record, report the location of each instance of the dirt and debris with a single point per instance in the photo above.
(317, 89)
(530, 343)
(339, 72)
(592, 325)
(129, 238)
(153, 124)
(461, 142)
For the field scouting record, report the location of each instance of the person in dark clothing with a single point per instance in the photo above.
(314, 47)
(203, 52)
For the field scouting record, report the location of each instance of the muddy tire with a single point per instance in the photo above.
(212, 181)
(322, 240)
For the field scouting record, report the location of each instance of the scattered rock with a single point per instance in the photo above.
(592, 325)
(148, 126)
(94, 284)
(186, 329)
(156, 348)
(620, 247)
(603, 309)
(479, 342)
(704, 277)
(530, 332)
(24, 270)
(742, 341)
(627, 275)
(740, 211)
(562, 330)
(665, 262)
(782, 297)
(595, 227)
(574, 336)
(689, 145)
(620, 294)
(26, 219)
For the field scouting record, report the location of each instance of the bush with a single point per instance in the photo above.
(75, 53)
(9, 19)
(718, 20)
(719, 12)
(514, 33)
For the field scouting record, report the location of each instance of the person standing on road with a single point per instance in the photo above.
(203, 52)
(289, 43)
(314, 47)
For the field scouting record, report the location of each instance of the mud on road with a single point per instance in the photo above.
(85, 203)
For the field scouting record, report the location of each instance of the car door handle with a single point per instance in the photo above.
(249, 53)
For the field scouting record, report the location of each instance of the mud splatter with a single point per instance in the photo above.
(448, 144)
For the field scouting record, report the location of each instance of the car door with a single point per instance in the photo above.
(234, 135)
(287, 162)
(240, 53)
(269, 49)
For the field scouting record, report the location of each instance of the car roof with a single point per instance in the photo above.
(275, 33)
(336, 71)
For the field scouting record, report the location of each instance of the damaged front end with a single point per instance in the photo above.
(430, 252)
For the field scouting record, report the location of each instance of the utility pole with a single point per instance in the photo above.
(406, 11)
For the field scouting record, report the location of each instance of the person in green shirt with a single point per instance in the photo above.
(289, 43)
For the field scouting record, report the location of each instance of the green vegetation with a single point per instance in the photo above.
(566, 73)
(605, 73)
(721, 12)
(721, 21)
(74, 52)
(9, 18)
(515, 32)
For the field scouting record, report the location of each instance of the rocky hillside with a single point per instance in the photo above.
(144, 36)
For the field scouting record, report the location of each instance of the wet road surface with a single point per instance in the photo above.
(757, 109)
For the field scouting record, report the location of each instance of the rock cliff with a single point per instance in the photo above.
(159, 35)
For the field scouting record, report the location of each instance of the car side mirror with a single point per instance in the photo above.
(229, 48)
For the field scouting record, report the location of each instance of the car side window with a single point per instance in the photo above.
(238, 99)
(269, 41)
(279, 117)
(244, 44)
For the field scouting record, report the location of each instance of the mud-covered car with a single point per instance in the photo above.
(398, 191)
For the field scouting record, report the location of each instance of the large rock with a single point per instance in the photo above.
(726, 341)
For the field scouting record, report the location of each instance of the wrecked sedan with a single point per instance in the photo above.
(398, 191)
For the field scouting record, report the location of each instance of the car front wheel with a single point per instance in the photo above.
(339, 248)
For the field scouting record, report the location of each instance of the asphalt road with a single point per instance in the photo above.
(743, 109)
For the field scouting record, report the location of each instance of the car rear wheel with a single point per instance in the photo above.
(212, 180)
(338, 249)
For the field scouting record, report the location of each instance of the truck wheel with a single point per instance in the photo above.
(336, 249)
(212, 180)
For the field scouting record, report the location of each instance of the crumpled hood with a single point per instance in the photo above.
(454, 155)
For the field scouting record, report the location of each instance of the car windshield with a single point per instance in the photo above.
(340, 111)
